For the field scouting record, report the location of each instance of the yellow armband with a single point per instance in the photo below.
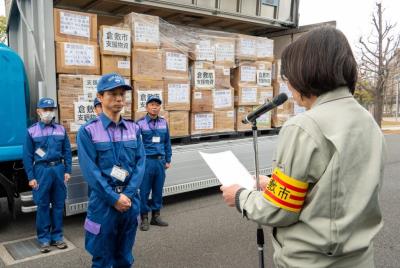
(286, 192)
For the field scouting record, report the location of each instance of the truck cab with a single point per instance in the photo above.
(14, 120)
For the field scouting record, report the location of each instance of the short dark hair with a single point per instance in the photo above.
(319, 61)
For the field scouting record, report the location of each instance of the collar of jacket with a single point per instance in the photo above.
(339, 93)
(148, 118)
(107, 121)
(43, 125)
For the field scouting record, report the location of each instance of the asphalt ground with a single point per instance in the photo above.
(204, 232)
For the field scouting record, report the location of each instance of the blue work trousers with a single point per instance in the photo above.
(51, 190)
(153, 181)
(110, 234)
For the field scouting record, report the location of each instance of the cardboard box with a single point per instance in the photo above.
(276, 70)
(203, 75)
(224, 51)
(246, 95)
(264, 121)
(115, 41)
(175, 64)
(246, 47)
(265, 94)
(204, 49)
(145, 30)
(147, 64)
(178, 123)
(245, 73)
(176, 95)
(75, 58)
(264, 73)
(281, 87)
(73, 26)
(224, 121)
(142, 90)
(222, 76)
(223, 99)
(265, 49)
(116, 64)
(202, 123)
(240, 113)
(202, 100)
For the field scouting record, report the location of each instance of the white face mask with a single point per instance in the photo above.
(46, 117)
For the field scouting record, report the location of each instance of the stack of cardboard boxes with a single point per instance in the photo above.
(226, 77)
(252, 78)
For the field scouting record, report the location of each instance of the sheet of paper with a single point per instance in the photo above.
(228, 169)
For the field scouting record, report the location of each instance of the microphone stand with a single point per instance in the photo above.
(260, 231)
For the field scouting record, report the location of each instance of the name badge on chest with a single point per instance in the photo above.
(40, 152)
(119, 173)
(156, 139)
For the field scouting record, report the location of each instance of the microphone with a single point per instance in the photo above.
(278, 100)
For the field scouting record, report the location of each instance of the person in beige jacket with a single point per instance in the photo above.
(322, 198)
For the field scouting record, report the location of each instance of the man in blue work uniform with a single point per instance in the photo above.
(157, 144)
(112, 160)
(47, 163)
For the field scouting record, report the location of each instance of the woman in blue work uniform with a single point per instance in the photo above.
(111, 157)
(47, 163)
(157, 144)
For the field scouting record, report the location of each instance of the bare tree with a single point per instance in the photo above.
(377, 52)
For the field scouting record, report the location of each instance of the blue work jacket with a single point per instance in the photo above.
(51, 139)
(102, 144)
(156, 128)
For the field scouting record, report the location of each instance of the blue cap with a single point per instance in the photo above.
(153, 98)
(110, 82)
(96, 102)
(46, 103)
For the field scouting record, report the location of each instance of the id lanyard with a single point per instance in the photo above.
(47, 137)
(154, 130)
(116, 156)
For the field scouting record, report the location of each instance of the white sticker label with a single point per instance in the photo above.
(90, 86)
(248, 73)
(74, 127)
(178, 93)
(248, 47)
(225, 52)
(117, 40)
(265, 96)
(205, 51)
(227, 71)
(203, 121)
(230, 114)
(143, 97)
(264, 78)
(147, 32)
(176, 61)
(40, 152)
(124, 64)
(222, 98)
(198, 65)
(119, 173)
(204, 78)
(83, 112)
(198, 95)
(241, 110)
(249, 95)
(79, 54)
(265, 48)
(75, 24)
(156, 139)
